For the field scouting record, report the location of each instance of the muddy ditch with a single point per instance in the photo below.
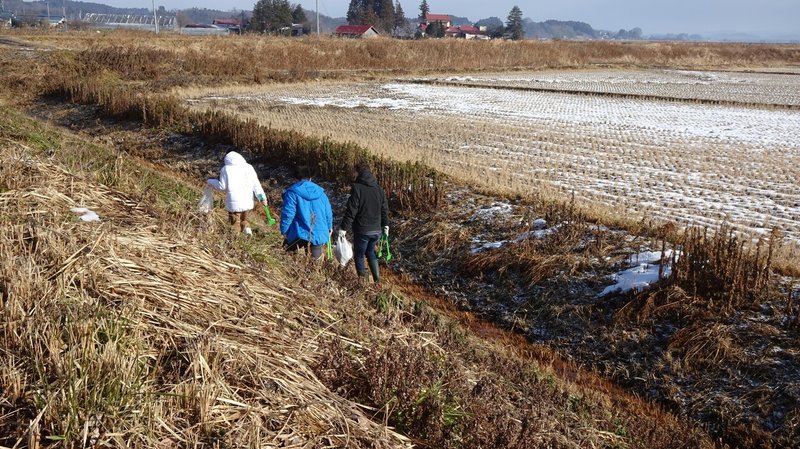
(552, 276)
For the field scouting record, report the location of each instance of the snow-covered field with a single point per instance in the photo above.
(757, 88)
(692, 163)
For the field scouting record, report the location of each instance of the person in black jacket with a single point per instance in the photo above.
(367, 212)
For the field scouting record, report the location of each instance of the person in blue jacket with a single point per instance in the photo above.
(306, 216)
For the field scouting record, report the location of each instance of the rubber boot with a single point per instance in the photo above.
(376, 271)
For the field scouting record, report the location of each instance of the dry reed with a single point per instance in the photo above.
(117, 333)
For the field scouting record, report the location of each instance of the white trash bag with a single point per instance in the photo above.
(343, 251)
(206, 203)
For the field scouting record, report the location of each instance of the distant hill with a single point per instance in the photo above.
(73, 8)
(204, 15)
(494, 26)
(680, 37)
(458, 21)
(558, 29)
(553, 29)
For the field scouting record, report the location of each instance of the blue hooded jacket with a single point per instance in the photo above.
(306, 214)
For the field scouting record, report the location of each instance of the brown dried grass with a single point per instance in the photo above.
(136, 332)
(235, 55)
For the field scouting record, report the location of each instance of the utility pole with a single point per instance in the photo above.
(64, 13)
(317, 18)
(155, 16)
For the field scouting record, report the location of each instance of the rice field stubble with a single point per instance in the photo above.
(695, 164)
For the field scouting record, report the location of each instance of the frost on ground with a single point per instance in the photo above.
(540, 232)
(495, 211)
(646, 270)
(690, 163)
(755, 88)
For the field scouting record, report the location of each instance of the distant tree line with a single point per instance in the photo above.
(384, 15)
(276, 16)
(516, 27)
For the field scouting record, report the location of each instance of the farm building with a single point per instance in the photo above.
(227, 23)
(129, 21)
(466, 32)
(194, 29)
(356, 31)
(442, 19)
(295, 30)
(33, 20)
(232, 25)
(458, 32)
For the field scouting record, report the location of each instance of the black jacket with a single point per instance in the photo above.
(367, 210)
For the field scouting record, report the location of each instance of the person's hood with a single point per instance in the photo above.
(367, 179)
(234, 158)
(307, 190)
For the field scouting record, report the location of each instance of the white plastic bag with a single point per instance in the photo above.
(343, 251)
(207, 201)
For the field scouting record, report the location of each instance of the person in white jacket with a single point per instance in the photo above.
(239, 181)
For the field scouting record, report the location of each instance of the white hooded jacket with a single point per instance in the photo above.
(239, 180)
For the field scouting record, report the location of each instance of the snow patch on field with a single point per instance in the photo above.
(760, 88)
(493, 212)
(479, 246)
(85, 214)
(355, 102)
(753, 126)
(694, 164)
(643, 273)
(538, 234)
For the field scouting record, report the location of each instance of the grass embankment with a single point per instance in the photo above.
(143, 330)
(120, 86)
(148, 330)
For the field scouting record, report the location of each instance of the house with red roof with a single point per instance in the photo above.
(461, 31)
(469, 29)
(356, 31)
(443, 19)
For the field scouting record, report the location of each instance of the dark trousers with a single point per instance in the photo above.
(315, 250)
(364, 247)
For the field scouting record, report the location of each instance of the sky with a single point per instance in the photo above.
(765, 18)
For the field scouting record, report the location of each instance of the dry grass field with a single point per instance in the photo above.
(261, 351)
(241, 57)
